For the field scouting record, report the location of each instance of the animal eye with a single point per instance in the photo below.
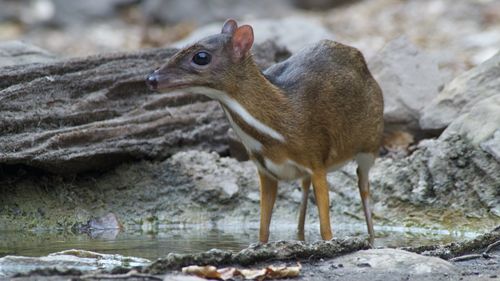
(202, 58)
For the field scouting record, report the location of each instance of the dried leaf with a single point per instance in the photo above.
(270, 272)
(398, 141)
(276, 272)
(228, 273)
(253, 274)
(207, 271)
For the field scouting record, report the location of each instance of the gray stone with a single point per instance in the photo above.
(478, 123)
(461, 94)
(17, 52)
(396, 262)
(409, 78)
(107, 222)
(84, 261)
(449, 172)
(205, 169)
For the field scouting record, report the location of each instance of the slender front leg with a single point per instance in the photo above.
(306, 183)
(364, 191)
(268, 190)
(365, 162)
(323, 202)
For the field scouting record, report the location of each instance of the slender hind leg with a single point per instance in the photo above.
(365, 162)
(268, 190)
(306, 183)
(322, 196)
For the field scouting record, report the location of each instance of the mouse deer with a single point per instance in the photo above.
(298, 119)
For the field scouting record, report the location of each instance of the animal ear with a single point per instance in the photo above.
(242, 41)
(229, 26)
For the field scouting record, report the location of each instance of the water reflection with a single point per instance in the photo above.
(191, 239)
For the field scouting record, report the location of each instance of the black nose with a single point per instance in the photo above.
(152, 81)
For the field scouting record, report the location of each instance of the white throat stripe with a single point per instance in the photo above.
(250, 143)
(238, 109)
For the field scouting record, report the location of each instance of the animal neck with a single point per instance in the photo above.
(263, 101)
(256, 108)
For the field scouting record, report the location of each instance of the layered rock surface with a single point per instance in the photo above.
(96, 112)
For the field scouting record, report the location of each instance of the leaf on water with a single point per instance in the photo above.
(226, 273)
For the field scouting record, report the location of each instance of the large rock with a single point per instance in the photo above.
(460, 95)
(390, 264)
(213, 184)
(292, 32)
(479, 123)
(409, 78)
(96, 112)
(450, 173)
(469, 107)
(77, 260)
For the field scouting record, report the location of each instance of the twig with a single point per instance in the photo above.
(491, 246)
(484, 254)
(130, 274)
(466, 257)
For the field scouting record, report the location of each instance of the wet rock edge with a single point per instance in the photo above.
(455, 249)
(279, 251)
(255, 253)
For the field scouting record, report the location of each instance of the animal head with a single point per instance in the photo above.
(212, 62)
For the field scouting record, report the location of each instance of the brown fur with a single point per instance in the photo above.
(323, 100)
(322, 127)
